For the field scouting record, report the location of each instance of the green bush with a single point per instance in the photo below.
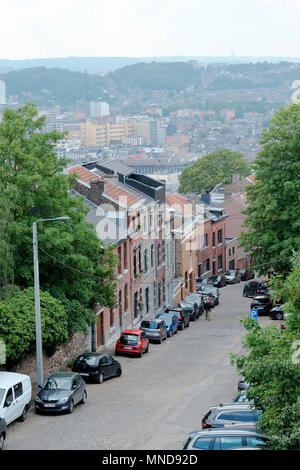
(17, 324)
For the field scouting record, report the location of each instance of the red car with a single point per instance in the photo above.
(133, 342)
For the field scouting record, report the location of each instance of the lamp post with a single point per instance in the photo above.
(38, 328)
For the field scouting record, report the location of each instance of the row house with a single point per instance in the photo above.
(128, 212)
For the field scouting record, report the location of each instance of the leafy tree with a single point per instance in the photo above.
(73, 266)
(274, 201)
(272, 366)
(17, 324)
(214, 168)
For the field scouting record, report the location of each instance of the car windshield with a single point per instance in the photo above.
(242, 271)
(129, 339)
(214, 278)
(166, 319)
(62, 383)
(89, 360)
(150, 324)
(2, 392)
(193, 298)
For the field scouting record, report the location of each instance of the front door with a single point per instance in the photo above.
(9, 407)
(214, 267)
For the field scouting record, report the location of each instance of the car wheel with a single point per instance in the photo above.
(71, 407)
(176, 332)
(84, 397)
(147, 349)
(24, 414)
(2, 439)
(139, 354)
(279, 316)
(117, 353)
(119, 372)
(182, 327)
(160, 340)
(100, 378)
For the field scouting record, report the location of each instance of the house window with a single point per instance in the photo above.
(120, 302)
(120, 260)
(214, 239)
(134, 262)
(220, 262)
(199, 270)
(186, 280)
(125, 256)
(147, 299)
(140, 260)
(206, 265)
(135, 304)
(145, 261)
(111, 317)
(159, 294)
(126, 296)
(152, 255)
(233, 250)
(229, 251)
(205, 240)
(158, 254)
(220, 236)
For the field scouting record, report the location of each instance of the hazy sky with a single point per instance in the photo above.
(60, 28)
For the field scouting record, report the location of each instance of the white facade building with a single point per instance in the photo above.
(99, 109)
(2, 92)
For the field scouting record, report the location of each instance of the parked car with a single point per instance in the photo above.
(229, 414)
(224, 439)
(218, 280)
(263, 288)
(250, 289)
(276, 313)
(156, 330)
(232, 276)
(97, 367)
(15, 396)
(209, 288)
(171, 322)
(192, 309)
(198, 299)
(3, 430)
(132, 342)
(246, 274)
(243, 385)
(208, 297)
(241, 397)
(201, 282)
(262, 304)
(182, 316)
(61, 392)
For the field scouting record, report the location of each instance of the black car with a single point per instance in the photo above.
(97, 367)
(276, 313)
(61, 392)
(263, 288)
(218, 280)
(262, 304)
(210, 289)
(250, 288)
(246, 274)
(182, 315)
(192, 309)
(3, 429)
(201, 282)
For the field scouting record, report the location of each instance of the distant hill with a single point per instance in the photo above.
(110, 64)
(55, 86)
(47, 87)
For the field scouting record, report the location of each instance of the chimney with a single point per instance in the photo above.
(205, 197)
(96, 191)
(235, 178)
(113, 179)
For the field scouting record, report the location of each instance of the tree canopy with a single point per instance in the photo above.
(213, 168)
(73, 266)
(272, 366)
(273, 211)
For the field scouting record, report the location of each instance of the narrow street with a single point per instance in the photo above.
(159, 398)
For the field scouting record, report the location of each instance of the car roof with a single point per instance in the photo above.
(63, 374)
(227, 432)
(232, 406)
(7, 379)
(91, 354)
(156, 320)
(130, 332)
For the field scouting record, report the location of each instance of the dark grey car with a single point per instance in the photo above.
(210, 289)
(182, 315)
(3, 429)
(224, 415)
(156, 330)
(97, 367)
(61, 392)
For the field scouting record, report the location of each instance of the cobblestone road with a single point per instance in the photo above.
(159, 399)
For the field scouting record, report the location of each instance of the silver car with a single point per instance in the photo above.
(155, 330)
(232, 276)
(224, 439)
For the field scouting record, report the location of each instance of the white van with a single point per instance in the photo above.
(15, 396)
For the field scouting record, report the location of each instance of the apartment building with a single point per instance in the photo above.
(129, 208)
(101, 135)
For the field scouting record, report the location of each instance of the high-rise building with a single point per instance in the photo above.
(2, 92)
(99, 109)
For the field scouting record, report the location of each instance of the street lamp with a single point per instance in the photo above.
(38, 328)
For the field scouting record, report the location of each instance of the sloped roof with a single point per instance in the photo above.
(84, 175)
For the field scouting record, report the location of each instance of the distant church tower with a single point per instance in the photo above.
(2, 92)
